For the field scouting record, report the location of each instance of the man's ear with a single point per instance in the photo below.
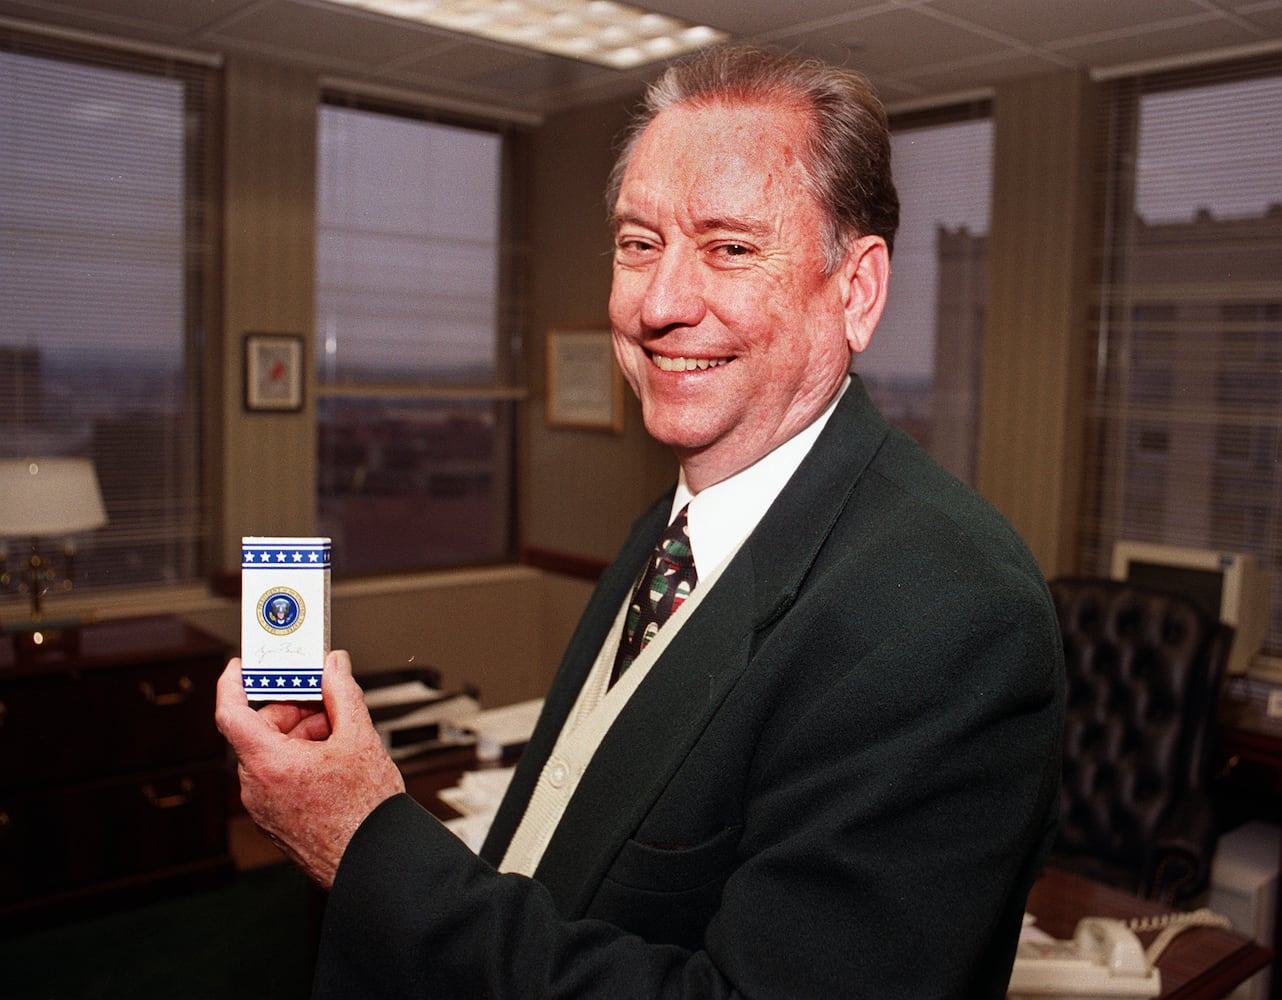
(865, 275)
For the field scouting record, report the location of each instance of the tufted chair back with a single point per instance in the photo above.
(1144, 670)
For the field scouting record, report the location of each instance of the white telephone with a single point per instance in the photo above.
(1104, 959)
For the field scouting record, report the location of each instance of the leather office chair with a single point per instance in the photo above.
(1144, 675)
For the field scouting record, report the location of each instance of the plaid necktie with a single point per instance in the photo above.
(668, 580)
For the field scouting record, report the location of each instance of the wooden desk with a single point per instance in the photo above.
(1204, 963)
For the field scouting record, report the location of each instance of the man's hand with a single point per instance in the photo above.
(308, 777)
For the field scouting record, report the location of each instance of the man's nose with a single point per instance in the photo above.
(675, 294)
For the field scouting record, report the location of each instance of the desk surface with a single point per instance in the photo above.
(1203, 963)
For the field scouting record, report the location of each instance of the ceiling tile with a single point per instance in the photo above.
(887, 42)
(1266, 17)
(545, 73)
(1161, 42)
(155, 17)
(462, 59)
(979, 74)
(1251, 6)
(327, 33)
(1039, 22)
(762, 19)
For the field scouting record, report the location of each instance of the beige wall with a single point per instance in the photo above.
(267, 466)
(1035, 330)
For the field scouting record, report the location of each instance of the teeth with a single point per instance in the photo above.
(687, 364)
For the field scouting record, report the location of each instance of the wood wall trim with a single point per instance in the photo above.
(564, 563)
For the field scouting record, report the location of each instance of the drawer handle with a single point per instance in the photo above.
(185, 688)
(179, 798)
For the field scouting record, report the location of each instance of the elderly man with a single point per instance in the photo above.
(817, 754)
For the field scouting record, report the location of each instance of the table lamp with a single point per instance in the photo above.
(42, 498)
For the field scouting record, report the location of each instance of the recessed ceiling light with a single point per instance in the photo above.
(599, 31)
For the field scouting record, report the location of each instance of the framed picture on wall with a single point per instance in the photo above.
(585, 386)
(274, 372)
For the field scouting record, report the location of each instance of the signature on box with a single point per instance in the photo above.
(275, 651)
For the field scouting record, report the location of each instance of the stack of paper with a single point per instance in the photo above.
(497, 731)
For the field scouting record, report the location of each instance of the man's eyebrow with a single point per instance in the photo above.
(620, 219)
(749, 225)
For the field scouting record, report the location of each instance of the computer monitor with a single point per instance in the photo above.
(1230, 586)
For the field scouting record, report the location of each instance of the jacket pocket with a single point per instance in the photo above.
(657, 868)
(667, 895)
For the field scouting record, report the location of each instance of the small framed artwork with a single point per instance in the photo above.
(585, 386)
(274, 372)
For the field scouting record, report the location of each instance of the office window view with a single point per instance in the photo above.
(414, 423)
(1187, 414)
(925, 362)
(101, 270)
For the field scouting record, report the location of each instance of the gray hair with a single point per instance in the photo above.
(848, 154)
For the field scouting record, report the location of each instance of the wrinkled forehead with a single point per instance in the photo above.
(710, 158)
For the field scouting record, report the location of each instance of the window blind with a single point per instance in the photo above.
(414, 341)
(103, 290)
(1186, 412)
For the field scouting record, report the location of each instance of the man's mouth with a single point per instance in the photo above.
(686, 364)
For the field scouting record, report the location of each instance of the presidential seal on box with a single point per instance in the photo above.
(284, 617)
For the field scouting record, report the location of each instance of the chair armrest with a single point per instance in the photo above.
(1178, 866)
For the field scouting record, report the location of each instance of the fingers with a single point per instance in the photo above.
(232, 703)
(240, 722)
(231, 686)
(344, 700)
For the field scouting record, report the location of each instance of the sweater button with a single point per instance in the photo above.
(557, 774)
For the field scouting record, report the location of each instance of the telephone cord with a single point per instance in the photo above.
(1172, 924)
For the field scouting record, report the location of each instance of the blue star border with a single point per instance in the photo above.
(280, 684)
(284, 556)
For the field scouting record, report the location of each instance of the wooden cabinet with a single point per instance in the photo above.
(113, 777)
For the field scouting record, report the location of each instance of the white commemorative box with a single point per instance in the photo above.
(284, 623)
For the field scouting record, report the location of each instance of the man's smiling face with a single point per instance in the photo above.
(725, 324)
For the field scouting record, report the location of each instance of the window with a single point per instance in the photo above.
(925, 362)
(413, 342)
(103, 292)
(1187, 414)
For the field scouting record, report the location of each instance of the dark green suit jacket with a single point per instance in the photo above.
(838, 781)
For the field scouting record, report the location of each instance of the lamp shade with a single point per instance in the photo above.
(49, 496)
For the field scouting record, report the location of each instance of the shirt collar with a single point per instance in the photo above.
(724, 514)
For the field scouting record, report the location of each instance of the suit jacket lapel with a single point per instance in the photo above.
(672, 706)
